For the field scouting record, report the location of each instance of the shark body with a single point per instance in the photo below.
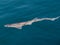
(21, 24)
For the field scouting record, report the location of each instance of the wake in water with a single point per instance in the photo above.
(21, 24)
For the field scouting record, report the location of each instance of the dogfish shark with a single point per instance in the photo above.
(30, 22)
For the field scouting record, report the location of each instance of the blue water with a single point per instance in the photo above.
(39, 33)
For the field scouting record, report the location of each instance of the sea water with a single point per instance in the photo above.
(39, 33)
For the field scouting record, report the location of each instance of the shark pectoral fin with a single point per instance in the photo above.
(19, 27)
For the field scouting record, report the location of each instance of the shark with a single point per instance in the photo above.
(30, 22)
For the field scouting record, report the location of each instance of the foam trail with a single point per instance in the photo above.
(21, 24)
